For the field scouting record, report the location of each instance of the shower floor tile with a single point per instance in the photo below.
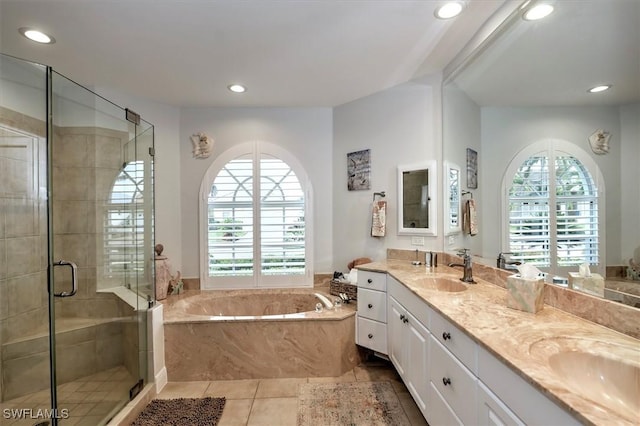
(87, 400)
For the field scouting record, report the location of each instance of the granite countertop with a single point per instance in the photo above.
(482, 314)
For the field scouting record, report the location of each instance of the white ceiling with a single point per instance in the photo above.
(287, 52)
(555, 60)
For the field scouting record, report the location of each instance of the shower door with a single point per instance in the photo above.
(76, 249)
(101, 251)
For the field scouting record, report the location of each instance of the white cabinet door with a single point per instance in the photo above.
(492, 411)
(396, 336)
(454, 382)
(417, 361)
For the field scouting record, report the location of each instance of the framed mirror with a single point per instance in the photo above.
(417, 185)
(452, 195)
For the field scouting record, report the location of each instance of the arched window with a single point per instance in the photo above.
(124, 223)
(553, 208)
(257, 225)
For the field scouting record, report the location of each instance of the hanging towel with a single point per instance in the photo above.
(469, 218)
(379, 219)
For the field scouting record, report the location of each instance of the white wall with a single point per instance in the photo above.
(506, 131)
(461, 130)
(629, 181)
(304, 132)
(166, 125)
(400, 126)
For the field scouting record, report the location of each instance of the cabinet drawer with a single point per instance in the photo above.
(372, 335)
(455, 341)
(524, 400)
(492, 411)
(372, 281)
(372, 304)
(454, 382)
(439, 412)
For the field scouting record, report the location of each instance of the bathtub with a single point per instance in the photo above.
(257, 334)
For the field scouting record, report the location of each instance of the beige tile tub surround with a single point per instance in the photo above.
(508, 334)
(316, 344)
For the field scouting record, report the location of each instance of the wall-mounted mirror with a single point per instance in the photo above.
(416, 199)
(452, 224)
(529, 84)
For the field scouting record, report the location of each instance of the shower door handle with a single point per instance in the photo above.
(74, 278)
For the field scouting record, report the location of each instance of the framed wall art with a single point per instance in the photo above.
(359, 170)
(472, 169)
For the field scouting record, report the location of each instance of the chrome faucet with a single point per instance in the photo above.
(502, 262)
(467, 277)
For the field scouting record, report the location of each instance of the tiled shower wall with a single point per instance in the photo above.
(86, 162)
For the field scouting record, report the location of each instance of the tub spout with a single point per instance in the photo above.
(325, 301)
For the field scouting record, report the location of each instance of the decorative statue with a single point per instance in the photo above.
(599, 141)
(165, 282)
(202, 145)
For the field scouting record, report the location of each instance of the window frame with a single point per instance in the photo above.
(257, 279)
(551, 148)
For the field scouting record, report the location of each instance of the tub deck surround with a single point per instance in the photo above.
(199, 346)
(514, 336)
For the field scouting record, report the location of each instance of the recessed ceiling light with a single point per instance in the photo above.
(538, 11)
(601, 88)
(449, 10)
(37, 36)
(237, 88)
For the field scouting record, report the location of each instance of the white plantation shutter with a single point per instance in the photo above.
(282, 227)
(230, 220)
(553, 217)
(124, 223)
(256, 227)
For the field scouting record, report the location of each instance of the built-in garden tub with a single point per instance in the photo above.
(257, 334)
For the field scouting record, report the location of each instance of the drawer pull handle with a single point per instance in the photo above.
(370, 336)
(370, 305)
(369, 280)
(446, 335)
(446, 381)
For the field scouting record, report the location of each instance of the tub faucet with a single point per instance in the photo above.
(467, 277)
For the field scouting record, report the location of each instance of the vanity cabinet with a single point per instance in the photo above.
(409, 350)
(451, 378)
(453, 382)
(529, 404)
(371, 319)
(492, 411)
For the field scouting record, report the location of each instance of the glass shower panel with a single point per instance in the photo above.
(94, 200)
(25, 381)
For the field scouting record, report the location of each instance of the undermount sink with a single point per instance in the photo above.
(605, 373)
(609, 382)
(449, 285)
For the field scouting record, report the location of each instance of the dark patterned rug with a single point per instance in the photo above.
(351, 404)
(181, 412)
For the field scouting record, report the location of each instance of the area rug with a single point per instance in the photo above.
(351, 404)
(181, 412)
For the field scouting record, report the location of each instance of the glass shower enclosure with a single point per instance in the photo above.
(76, 249)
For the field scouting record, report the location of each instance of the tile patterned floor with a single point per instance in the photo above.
(89, 400)
(265, 402)
(272, 402)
